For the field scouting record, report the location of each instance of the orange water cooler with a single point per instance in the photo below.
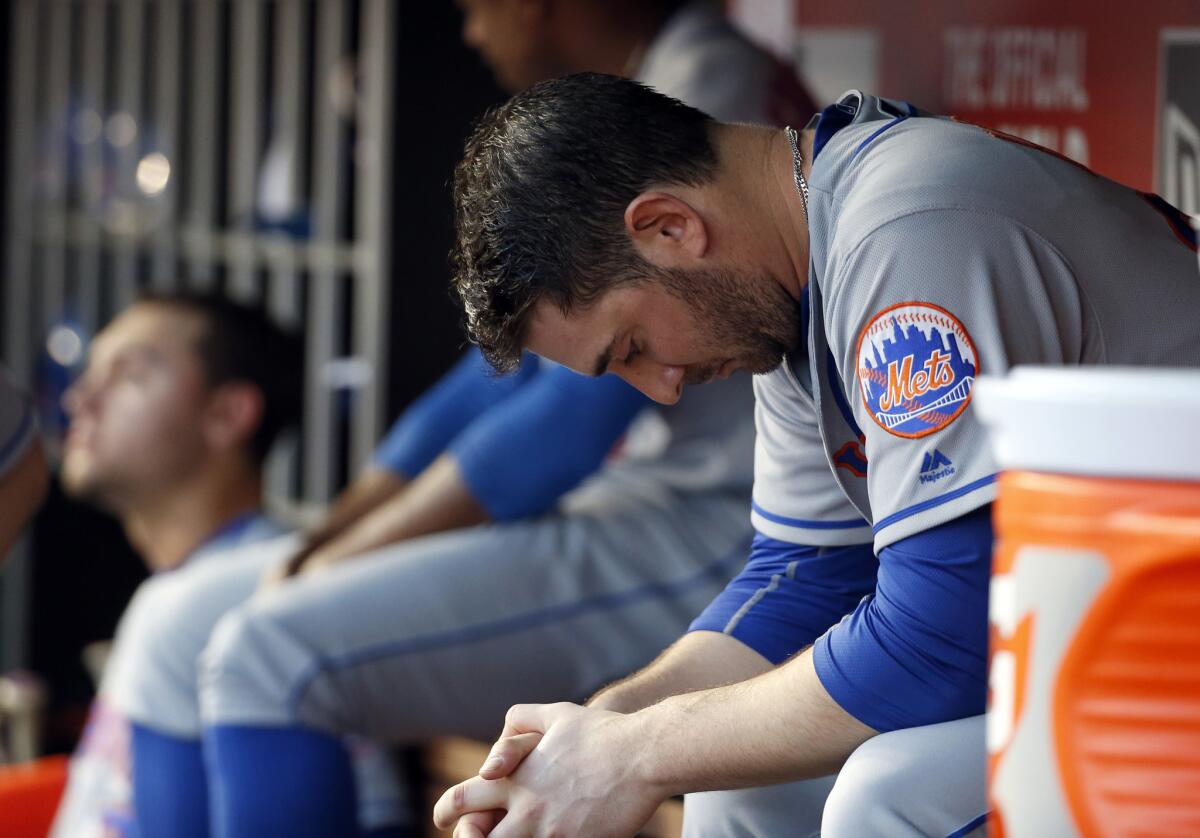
(1094, 701)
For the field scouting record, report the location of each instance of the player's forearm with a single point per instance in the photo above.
(372, 489)
(777, 727)
(699, 660)
(436, 501)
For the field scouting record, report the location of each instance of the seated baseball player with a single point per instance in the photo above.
(866, 269)
(23, 478)
(170, 423)
(558, 589)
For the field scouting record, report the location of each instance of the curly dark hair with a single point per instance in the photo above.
(541, 192)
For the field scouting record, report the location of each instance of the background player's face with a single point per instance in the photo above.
(137, 411)
(710, 323)
(512, 39)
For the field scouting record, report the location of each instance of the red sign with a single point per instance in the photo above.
(1067, 74)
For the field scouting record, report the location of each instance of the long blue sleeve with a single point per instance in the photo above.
(431, 422)
(787, 595)
(915, 653)
(170, 786)
(522, 455)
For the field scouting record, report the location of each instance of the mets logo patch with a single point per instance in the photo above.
(916, 368)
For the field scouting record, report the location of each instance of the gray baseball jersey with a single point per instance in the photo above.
(701, 58)
(16, 423)
(940, 251)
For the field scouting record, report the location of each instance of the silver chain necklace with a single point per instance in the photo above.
(798, 168)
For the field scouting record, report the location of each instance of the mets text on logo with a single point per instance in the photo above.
(935, 466)
(916, 368)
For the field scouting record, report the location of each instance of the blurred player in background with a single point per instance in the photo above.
(170, 423)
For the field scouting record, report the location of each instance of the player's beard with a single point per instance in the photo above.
(748, 318)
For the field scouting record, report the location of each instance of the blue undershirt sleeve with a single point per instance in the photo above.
(170, 788)
(915, 653)
(789, 594)
(522, 455)
(431, 422)
(279, 781)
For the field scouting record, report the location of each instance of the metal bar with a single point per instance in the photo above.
(200, 214)
(19, 250)
(219, 248)
(324, 301)
(283, 293)
(283, 290)
(163, 203)
(18, 291)
(291, 89)
(373, 169)
(246, 63)
(284, 305)
(122, 130)
(52, 272)
(88, 134)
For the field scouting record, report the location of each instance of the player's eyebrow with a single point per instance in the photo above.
(602, 362)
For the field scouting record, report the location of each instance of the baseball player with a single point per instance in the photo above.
(869, 269)
(23, 477)
(179, 404)
(554, 594)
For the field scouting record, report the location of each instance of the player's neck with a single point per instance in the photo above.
(786, 207)
(755, 166)
(167, 529)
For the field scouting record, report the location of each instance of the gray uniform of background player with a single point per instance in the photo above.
(443, 634)
(150, 677)
(1041, 261)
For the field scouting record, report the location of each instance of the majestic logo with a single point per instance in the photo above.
(916, 368)
(935, 466)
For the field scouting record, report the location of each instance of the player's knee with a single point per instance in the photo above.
(254, 671)
(870, 794)
(236, 666)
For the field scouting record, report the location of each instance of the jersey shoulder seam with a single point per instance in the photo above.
(831, 298)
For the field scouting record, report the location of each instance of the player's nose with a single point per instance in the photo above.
(661, 382)
(78, 396)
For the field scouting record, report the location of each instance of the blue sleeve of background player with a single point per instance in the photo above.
(788, 595)
(445, 409)
(916, 652)
(522, 455)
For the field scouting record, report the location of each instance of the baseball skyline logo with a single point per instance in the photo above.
(916, 368)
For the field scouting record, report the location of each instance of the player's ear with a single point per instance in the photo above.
(666, 230)
(234, 413)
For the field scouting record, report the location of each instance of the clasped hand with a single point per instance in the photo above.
(557, 770)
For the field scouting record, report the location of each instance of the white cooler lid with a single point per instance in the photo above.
(1096, 421)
